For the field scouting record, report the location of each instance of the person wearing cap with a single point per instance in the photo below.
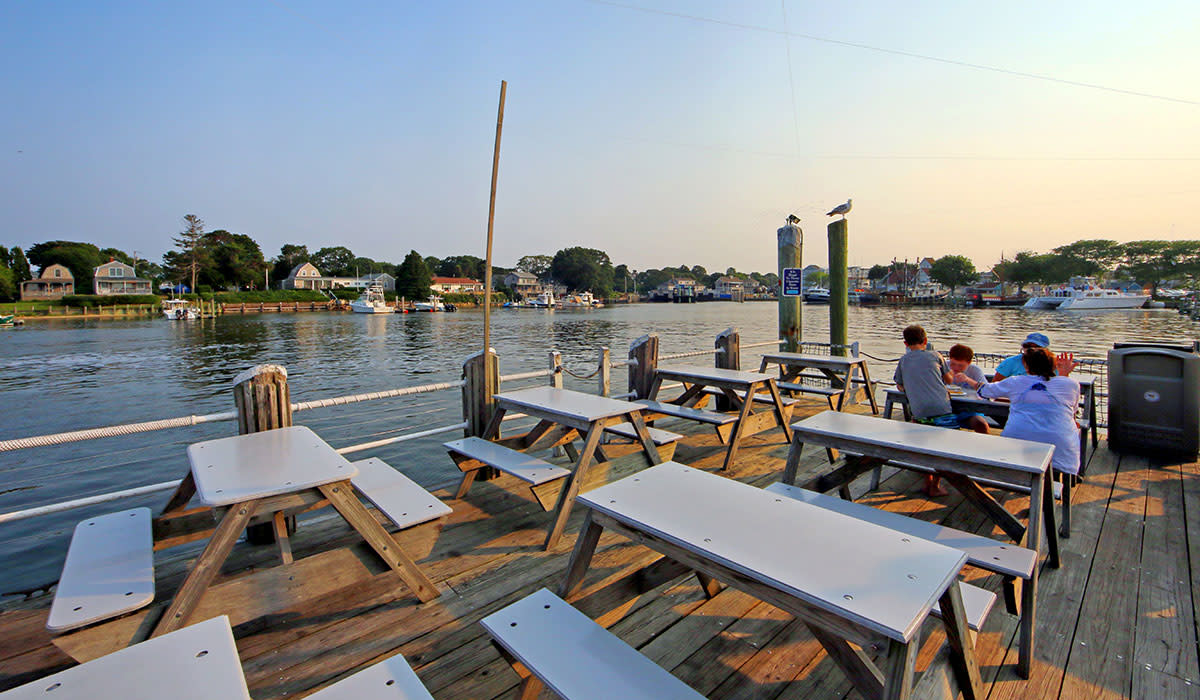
(1014, 366)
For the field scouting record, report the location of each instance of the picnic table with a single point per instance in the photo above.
(742, 388)
(959, 457)
(840, 372)
(563, 417)
(275, 473)
(849, 581)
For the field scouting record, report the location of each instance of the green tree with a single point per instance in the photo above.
(1154, 262)
(953, 271)
(412, 277)
(80, 258)
(698, 272)
(235, 261)
(430, 262)
(584, 269)
(190, 258)
(538, 265)
(290, 255)
(337, 261)
(1088, 257)
(8, 284)
(461, 266)
(19, 265)
(817, 278)
(877, 272)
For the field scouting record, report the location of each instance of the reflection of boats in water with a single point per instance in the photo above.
(179, 310)
(371, 301)
(545, 300)
(1084, 295)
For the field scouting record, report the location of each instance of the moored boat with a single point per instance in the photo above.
(433, 303)
(1084, 295)
(179, 310)
(371, 301)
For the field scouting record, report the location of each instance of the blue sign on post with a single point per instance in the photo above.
(792, 280)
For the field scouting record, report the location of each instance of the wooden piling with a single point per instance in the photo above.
(839, 293)
(263, 402)
(556, 369)
(643, 356)
(728, 356)
(791, 247)
(481, 382)
(604, 372)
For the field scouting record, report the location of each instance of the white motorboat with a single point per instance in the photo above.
(1083, 295)
(371, 301)
(816, 295)
(179, 310)
(580, 300)
(433, 303)
(545, 300)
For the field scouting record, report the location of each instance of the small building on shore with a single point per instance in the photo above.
(456, 285)
(115, 277)
(525, 284)
(53, 282)
(307, 276)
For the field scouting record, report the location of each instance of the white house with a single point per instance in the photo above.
(456, 285)
(115, 277)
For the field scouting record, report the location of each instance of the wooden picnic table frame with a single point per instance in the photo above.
(740, 387)
(837, 369)
(559, 427)
(866, 454)
(892, 679)
(233, 518)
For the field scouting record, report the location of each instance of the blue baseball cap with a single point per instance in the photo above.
(1038, 339)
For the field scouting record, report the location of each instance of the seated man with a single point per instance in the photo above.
(1013, 366)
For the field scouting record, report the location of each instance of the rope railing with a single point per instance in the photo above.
(589, 375)
(376, 395)
(534, 374)
(113, 431)
(350, 449)
(680, 355)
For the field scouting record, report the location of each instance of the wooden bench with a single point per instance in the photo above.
(758, 398)
(983, 552)
(109, 570)
(474, 453)
(829, 393)
(391, 679)
(722, 422)
(664, 440)
(398, 497)
(575, 657)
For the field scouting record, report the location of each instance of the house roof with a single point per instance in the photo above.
(521, 274)
(131, 277)
(727, 279)
(454, 280)
(377, 276)
(296, 270)
(65, 276)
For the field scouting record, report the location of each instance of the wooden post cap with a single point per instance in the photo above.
(257, 370)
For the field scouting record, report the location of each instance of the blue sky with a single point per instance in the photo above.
(663, 139)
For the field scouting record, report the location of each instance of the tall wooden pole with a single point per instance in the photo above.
(839, 293)
(487, 270)
(791, 247)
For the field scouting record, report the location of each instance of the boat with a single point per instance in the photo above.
(8, 321)
(1082, 294)
(179, 310)
(862, 297)
(545, 300)
(816, 295)
(433, 303)
(371, 301)
(580, 300)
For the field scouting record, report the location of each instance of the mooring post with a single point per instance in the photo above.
(556, 369)
(728, 356)
(264, 402)
(643, 361)
(481, 382)
(791, 247)
(839, 293)
(603, 372)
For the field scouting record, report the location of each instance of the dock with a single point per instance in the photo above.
(1118, 620)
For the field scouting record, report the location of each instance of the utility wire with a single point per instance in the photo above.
(894, 52)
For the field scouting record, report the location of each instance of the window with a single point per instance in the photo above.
(58, 273)
(115, 272)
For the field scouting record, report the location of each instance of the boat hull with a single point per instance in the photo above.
(1130, 301)
(360, 308)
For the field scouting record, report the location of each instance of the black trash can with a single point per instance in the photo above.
(1154, 399)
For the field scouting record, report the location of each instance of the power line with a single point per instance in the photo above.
(894, 52)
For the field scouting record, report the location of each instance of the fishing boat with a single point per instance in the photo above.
(1084, 295)
(433, 303)
(580, 300)
(371, 301)
(179, 310)
(816, 295)
(545, 300)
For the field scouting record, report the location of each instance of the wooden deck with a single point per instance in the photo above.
(1117, 620)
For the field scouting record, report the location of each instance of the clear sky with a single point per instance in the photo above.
(662, 131)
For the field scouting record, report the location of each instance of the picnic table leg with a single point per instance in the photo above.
(1029, 589)
(581, 556)
(279, 521)
(847, 387)
(1065, 529)
(779, 410)
(206, 567)
(793, 461)
(962, 649)
(899, 666)
(493, 426)
(655, 385)
(870, 388)
(183, 493)
(996, 512)
(1047, 506)
(738, 429)
(341, 497)
(639, 425)
(858, 667)
(566, 497)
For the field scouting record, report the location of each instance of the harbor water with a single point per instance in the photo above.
(62, 375)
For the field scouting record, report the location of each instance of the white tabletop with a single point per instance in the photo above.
(701, 373)
(990, 450)
(564, 402)
(798, 358)
(272, 462)
(882, 579)
(198, 662)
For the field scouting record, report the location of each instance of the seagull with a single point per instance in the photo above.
(842, 209)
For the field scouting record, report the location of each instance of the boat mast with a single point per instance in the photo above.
(487, 267)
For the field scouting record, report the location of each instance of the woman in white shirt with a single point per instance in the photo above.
(1043, 405)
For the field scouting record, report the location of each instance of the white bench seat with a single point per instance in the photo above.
(391, 679)
(577, 658)
(697, 414)
(807, 389)
(109, 570)
(983, 552)
(525, 467)
(758, 398)
(400, 498)
(977, 603)
(657, 436)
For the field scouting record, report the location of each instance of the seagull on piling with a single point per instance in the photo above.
(842, 209)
